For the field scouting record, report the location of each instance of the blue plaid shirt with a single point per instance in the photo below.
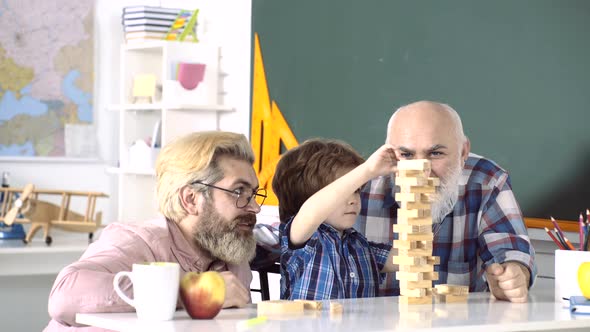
(485, 227)
(328, 266)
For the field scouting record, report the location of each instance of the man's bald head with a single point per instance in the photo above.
(427, 112)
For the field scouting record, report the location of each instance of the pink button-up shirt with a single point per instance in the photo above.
(86, 286)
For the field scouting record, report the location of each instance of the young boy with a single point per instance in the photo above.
(322, 256)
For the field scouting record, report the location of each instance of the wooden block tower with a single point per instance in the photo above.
(414, 229)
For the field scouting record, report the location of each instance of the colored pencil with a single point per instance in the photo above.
(561, 240)
(581, 229)
(554, 239)
(557, 228)
(587, 236)
(569, 244)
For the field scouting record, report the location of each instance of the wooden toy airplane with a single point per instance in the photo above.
(45, 215)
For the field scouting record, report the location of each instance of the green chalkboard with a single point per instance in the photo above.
(518, 73)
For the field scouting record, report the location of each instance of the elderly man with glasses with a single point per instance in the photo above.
(208, 196)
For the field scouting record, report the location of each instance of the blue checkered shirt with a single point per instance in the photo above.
(329, 266)
(485, 226)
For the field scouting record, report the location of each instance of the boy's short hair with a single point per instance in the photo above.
(307, 168)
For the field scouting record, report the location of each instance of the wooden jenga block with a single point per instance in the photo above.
(336, 310)
(412, 214)
(412, 197)
(335, 307)
(414, 205)
(407, 245)
(276, 307)
(452, 289)
(415, 300)
(407, 260)
(422, 252)
(416, 237)
(416, 268)
(414, 164)
(416, 276)
(410, 276)
(423, 221)
(310, 304)
(411, 181)
(418, 189)
(416, 292)
(435, 182)
(406, 173)
(411, 229)
(415, 284)
(450, 298)
(435, 260)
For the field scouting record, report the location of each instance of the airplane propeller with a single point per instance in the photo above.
(18, 204)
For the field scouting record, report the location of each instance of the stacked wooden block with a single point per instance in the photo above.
(414, 229)
(445, 293)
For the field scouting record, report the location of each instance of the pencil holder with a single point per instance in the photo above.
(567, 263)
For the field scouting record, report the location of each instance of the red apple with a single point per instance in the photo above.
(202, 294)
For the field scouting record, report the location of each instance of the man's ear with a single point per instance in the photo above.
(465, 149)
(190, 200)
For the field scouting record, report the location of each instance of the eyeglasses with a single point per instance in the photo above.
(242, 199)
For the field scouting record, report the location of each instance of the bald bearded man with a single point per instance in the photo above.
(479, 232)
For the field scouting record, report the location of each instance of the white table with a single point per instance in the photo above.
(37, 258)
(480, 313)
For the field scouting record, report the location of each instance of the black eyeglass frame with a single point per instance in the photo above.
(237, 194)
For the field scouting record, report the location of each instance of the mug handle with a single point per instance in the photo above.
(118, 290)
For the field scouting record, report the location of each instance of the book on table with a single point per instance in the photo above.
(148, 21)
(146, 27)
(132, 16)
(136, 41)
(151, 9)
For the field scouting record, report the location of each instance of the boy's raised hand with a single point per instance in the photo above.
(383, 161)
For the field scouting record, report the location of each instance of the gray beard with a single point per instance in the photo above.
(446, 196)
(223, 239)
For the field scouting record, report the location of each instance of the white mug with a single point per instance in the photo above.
(155, 289)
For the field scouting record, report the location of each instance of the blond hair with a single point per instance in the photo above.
(191, 158)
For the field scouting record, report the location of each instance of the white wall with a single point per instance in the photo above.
(23, 299)
(233, 26)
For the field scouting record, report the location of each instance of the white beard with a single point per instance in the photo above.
(447, 194)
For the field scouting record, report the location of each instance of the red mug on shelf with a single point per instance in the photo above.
(190, 74)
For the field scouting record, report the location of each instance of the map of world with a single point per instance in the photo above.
(46, 74)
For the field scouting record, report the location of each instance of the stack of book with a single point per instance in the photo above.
(146, 23)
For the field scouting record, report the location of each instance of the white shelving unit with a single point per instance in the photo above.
(176, 110)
